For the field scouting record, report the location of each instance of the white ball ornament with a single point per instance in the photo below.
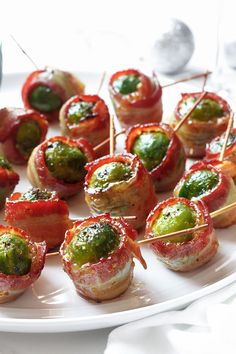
(173, 47)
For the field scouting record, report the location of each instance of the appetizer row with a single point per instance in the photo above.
(137, 99)
(120, 184)
(97, 252)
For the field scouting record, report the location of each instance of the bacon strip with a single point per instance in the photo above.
(189, 255)
(143, 106)
(221, 195)
(11, 286)
(10, 120)
(230, 152)
(171, 169)
(111, 275)
(8, 180)
(43, 220)
(195, 134)
(40, 176)
(135, 196)
(94, 128)
(63, 83)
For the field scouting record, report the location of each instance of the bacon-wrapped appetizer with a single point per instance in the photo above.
(58, 164)
(8, 180)
(161, 152)
(208, 120)
(137, 98)
(41, 214)
(20, 131)
(46, 90)
(205, 182)
(120, 185)
(213, 149)
(187, 252)
(97, 254)
(21, 262)
(88, 117)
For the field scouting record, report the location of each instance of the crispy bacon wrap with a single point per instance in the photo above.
(187, 255)
(195, 134)
(111, 275)
(11, 286)
(11, 119)
(40, 176)
(171, 169)
(8, 180)
(62, 83)
(141, 106)
(43, 220)
(94, 125)
(135, 196)
(213, 150)
(224, 192)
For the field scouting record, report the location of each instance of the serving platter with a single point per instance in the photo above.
(52, 304)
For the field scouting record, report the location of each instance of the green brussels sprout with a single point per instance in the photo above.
(199, 183)
(14, 255)
(126, 84)
(28, 136)
(92, 243)
(65, 162)
(173, 218)
(206, 110)
(110, 173)
(151, 148)
(44, 99)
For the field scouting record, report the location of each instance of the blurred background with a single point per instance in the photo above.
(112, 35)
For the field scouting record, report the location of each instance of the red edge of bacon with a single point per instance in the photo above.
(142, 106)
(166, 174)
(149, 94)
(94, 128)
(106, 267)
(218, 195)
(10, 119)
(140, 174)
(230, 150)
(97, 121)
(19, 283)
(200, 240)
(45, 78)
(8, 181)
(37, 159)
(196, 134)
(210, 95)
(43, 220)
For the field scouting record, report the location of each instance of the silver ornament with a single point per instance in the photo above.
(173, 47)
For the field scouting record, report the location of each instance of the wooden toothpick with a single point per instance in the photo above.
(188, 78)
(223, 210)
(229, 127)
(107, 140)
(179, 125)
(52, 254)
(101, 82)
(172, 234)
(205, 80)
(24, 52)
(112, 133)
